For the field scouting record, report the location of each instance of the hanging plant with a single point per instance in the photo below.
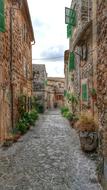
(73, 99)
(72, 77)
(94, 93)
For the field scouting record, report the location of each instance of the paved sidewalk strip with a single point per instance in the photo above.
(48, 157)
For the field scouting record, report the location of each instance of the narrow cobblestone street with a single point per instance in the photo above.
(48, 157)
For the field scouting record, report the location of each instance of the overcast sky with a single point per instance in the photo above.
(48, 19)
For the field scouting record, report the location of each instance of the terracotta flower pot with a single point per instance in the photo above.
(16, 137)
(88, 140)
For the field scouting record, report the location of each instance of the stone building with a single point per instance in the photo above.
(85, 64)
(79, 66)
(101, 14)
(40, 83)
(55, 90)
(16, 35)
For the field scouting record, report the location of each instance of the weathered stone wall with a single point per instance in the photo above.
(102, 74)
(17, 74)
(81, 44)
(93, 68)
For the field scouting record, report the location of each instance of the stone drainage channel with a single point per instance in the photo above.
(48, 157)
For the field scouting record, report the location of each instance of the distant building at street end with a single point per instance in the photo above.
(55, 90)
(40, 83)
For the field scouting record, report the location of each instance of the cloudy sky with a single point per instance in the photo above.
(48, 18)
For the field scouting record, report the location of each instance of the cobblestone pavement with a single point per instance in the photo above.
(48, 157)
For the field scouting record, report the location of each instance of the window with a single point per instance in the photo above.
(72, 17)
(86, 6)
(25, 69)
(71, 61)
(24, 33)
(65, 92)
(84, 92)
(84, 52)
(2, 17)
(69, 31)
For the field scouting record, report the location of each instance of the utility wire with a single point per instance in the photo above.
(48, 58)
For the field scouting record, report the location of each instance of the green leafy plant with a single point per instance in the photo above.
(68, 95)
(73, 99)
(40, 108)
(37, 105)
(28, 119)
(64, 109)
(21, 105)
(34, 115)
(69, 116)
(94, 93)
(22, 126)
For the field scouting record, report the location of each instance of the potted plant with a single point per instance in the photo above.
(94, 94)
(73, 101)
(87, 127)
(72, 77)
(72, 118)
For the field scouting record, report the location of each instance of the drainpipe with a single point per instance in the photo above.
(33, 42)
(31, 65)
(11, 67)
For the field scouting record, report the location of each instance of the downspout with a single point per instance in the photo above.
(32, 69)
(11, 67)
(33, 42)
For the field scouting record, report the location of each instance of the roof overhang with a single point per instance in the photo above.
(29, 19)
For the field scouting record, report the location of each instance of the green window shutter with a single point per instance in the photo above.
(2, 17)
(69, 31)
(72, 17)
(65, 92)
(84, 92)
(72, 61)
(45, 82)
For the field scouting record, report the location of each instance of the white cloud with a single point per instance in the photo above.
(48, 18)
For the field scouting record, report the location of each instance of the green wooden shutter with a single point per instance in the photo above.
(2, 17)
(71, 61)
(72, 17)
(65, 92)
(69, 31)
(46, 82)
(84, 92)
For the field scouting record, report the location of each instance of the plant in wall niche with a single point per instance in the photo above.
(73, 100)
(72, 77)
(68, 95)
(94, 93)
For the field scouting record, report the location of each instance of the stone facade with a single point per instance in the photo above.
(55, 90)
(102, 78)
(39, 83)
(88, 42)
(81, 44)
(15, 62)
